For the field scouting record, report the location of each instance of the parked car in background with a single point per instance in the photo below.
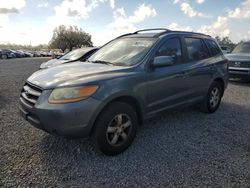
(239, 61)
(6, 54)
(80, 54)
(25, 53)
(28, 54)
(44, 54)
(36, 53)
(125, 82)
(9, 53)
(22, 54)
(18, 54)
(225, 49)
(58, 54)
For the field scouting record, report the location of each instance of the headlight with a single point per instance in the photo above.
(72, 94)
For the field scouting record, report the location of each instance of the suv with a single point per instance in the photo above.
(128, 80)
(239, 61)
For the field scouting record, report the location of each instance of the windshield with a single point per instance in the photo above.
(123, 51)
(74, 55)
(242, 48)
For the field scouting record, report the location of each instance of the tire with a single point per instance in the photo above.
(115, 128)
(4, 57)
(213, 98)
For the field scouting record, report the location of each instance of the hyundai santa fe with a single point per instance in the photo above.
(128, 80)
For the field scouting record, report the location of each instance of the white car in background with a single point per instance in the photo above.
(239, 61)
(225, 49)
(81, 54)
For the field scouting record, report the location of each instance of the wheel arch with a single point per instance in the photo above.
(221, 82)
(129, 99)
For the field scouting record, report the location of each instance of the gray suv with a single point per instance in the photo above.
(128, 80)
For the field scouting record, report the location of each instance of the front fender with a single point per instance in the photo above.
(114, 97)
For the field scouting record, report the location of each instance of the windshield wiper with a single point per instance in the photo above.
(102, 62)
(108, 63)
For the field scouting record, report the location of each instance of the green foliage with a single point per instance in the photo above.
(69, 37)
(225, 41)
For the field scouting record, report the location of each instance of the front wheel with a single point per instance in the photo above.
(115, 128)
(213, 98)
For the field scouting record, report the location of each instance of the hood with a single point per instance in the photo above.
(76, 73)
(53, 62)
(238, 57)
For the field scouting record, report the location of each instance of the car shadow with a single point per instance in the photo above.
(240, 82)
(3, 101)
(175, 142)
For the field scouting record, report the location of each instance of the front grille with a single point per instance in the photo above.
(30, 94)
(238, 70)
(239, 64)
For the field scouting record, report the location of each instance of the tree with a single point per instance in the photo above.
(218, 39)
(225, 41)
(69, 37)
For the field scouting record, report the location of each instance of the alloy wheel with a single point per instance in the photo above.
(214, 97)
(119, 130)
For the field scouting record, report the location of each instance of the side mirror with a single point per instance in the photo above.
(163, 61)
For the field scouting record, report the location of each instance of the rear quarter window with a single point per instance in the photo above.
(213, 46)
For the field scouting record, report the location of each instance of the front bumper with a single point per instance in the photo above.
(234, 71)
(71, 119)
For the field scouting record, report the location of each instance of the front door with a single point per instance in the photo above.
(167, 86)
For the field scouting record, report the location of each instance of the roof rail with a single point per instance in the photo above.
(125, 35)
(192, 32)
(164, 31)
(155, 29)
(145, 30)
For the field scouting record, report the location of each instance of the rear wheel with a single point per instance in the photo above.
(115, 128)
(213, 98)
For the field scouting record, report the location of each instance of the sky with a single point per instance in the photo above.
(33, 21)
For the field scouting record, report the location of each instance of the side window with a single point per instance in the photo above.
(172, 48)
(214, 48)
(196, 49)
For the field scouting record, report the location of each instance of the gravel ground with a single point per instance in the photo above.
(184, 148)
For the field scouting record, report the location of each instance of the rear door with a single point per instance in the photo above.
(199, 66)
